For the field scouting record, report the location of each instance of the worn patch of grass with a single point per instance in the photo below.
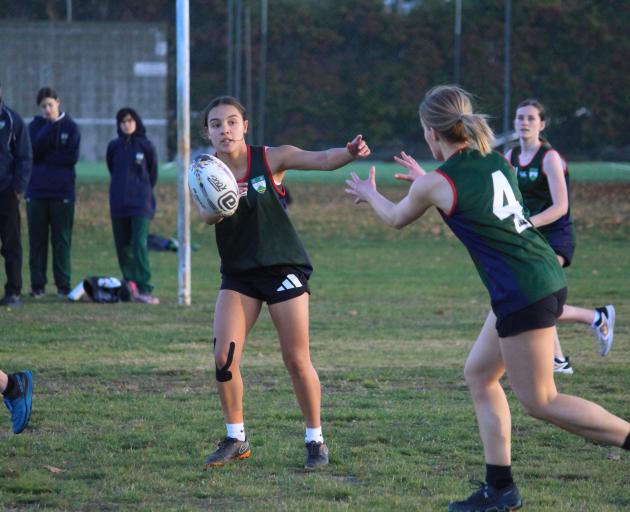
(125, 404)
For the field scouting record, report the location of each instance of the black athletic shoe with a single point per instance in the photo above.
(489, 499)
(11, 301)
(316, 455)
(37, 293)
(229, 449)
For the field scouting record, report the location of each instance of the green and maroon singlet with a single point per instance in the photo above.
(514, 261)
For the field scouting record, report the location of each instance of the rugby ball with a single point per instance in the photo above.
(213, 186)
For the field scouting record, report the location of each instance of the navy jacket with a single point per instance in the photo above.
(15, 151)
(55, 153)
(132, 163)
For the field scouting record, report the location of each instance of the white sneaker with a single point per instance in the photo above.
(145, 298)
(605, 331)
(562, 366)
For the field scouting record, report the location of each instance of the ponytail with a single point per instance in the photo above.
(448, 110)
(478, 132)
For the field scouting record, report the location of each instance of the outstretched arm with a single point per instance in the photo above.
(413, 167)
(425, 191)
(282, 158)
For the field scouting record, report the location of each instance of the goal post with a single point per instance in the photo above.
(183, 152)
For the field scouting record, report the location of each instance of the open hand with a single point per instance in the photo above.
(413, 168)
(358, 148)
(360, 189)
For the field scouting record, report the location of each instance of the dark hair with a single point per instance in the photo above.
(46, 92)
(124, 112)
(531, 102)
(448, 110)
(223, 100)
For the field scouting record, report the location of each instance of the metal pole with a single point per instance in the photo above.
(506, 66)
(262, 79)
(457, 41)
(68, 11)
(239, 52)
(230, 47)
(248, 69)
(183, 150)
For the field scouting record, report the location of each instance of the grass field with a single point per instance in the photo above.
(580, 172)
(125, 407)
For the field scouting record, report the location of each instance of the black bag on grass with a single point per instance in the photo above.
(107, 289)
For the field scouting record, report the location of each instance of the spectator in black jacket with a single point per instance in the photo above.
(50, 195)
(15, 172)
(132, 163)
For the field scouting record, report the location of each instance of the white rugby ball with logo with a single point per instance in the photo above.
(213, 186)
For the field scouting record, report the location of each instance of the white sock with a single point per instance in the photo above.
(314, 434)
(236, 431)
(597, 319)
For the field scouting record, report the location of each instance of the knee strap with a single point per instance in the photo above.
(224, 374)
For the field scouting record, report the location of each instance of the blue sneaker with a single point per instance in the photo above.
(489, 499)
(19, 404)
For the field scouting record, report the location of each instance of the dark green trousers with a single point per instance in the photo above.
(54, 217)
(130, 236)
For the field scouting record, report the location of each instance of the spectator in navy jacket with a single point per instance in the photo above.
(50, 195)
(15, 171)
(132, 163)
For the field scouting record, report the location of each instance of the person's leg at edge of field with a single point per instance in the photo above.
(121, 228)
(234, 315)
(11, 246)
(61, 221)
(291, 319)
(4, 380)
(38, 220)
(140, 265)
(528, 361)
(483, 371)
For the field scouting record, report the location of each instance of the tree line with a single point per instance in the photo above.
(339, 67)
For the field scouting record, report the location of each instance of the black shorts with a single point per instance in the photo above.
(538, 315)
(268, 285)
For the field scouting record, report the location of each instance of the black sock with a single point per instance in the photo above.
(626, 443)
(10, 386)
(602, 315)
(499, 477)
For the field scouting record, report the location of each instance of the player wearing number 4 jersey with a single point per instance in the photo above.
(543, 178)
(263, 260)
(476, 193)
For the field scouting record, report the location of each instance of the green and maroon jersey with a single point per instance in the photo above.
(260, 234)
(514, 261)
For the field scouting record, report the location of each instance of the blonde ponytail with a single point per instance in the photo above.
(448, 110)
(478, 132)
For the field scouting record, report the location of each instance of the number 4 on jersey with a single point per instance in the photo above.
(505, 204)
